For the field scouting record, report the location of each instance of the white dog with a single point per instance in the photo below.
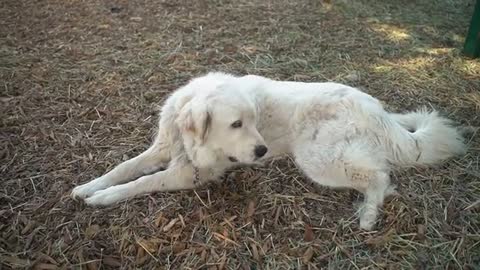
(338, 135)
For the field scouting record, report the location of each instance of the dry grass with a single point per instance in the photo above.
(80, 82)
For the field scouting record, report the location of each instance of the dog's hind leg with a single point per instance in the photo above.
(377, 187)
(367, 171)
(349, 165)
(153, 159)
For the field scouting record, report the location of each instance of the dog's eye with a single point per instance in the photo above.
(237, 124)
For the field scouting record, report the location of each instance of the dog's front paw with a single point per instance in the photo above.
(106, 197)
(87, 189)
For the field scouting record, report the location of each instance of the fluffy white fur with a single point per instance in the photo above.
(338, 135)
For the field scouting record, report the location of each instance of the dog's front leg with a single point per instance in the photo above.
(145, 163)
(177, 177)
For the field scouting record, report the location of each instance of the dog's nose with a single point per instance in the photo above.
(260, 150)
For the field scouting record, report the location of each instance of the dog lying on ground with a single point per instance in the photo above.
(338, 136)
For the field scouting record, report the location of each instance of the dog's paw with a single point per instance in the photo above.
(367, 224)
(87, 189)
(391, 191)
(106, 197)
(368, 217)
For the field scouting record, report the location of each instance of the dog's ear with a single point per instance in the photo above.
(206, 124)
(194, 118)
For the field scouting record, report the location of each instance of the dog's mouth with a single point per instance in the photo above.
(232, 159)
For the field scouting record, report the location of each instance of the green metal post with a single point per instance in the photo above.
(472, 42)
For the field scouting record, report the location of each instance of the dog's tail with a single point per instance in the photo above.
(422, 138)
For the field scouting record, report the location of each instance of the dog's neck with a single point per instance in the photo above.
(272, 119)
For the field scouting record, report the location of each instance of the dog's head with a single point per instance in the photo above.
(219, 127)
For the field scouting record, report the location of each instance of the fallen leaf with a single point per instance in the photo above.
(381, 239)
(112, 261)
(92, 230)
(160, 220)
(452, 213)
(103, 26)
(307, 256)
(149, 245)
(421, 230)
(229, 48)
(250, 49)
(225, 233)
(5, 99)
(300, 77)
(142, 260)
(45, 266)
(201, 214)
(136, 19)
(170, 225)
(203, 256)
(92, 265)
(265, 247)
(309, 235)
(353, 76)
(140, 254)
(325, 256)
(45, 257)
(250, 209)
(255, 254)
(180, 217)
(277, 215)
(67, 238)
(178, 247)
(15, 262)
(222, 263)
(28, 227)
